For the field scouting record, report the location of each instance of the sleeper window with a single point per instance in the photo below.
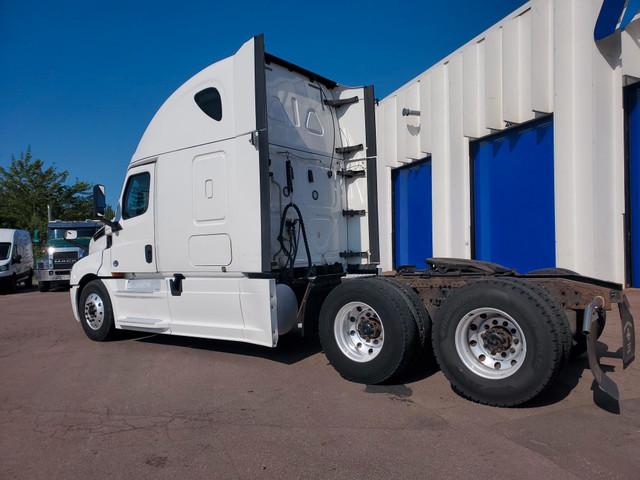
(210, 102)
(136, 195)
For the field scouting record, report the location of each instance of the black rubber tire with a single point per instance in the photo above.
(579, 344)
(420, 313)
(13, 284)
(107, 329)
(44, 286)
(544, 326)
(28, 283)
(401, 336)
(553, 271)
(563, 326)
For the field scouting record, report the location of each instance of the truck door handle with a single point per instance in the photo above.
(148, 253)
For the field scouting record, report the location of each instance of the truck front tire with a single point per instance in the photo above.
(368, 331)
(96, 313)
(501, 341)
(44, 286)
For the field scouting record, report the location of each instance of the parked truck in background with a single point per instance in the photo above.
(249, 210)
(61, 254)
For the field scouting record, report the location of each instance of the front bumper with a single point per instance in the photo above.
(589, 328)
(53, 275)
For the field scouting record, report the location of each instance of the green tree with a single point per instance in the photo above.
(27, 187)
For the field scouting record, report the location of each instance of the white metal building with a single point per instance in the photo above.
(519, 147)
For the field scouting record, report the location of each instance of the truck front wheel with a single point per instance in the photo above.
(367, 330)
(44, 286)
(96, 314)
(501, 341)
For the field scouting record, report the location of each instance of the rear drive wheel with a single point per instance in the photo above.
(500, 341)
(579, 344)
(96, 314)
(44, 286)
(368, 331)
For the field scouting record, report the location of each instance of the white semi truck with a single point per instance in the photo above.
(249, 210)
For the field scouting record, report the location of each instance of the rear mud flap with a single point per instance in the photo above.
(628, 333)
(590, 327)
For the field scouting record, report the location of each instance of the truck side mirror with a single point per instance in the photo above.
(70, 234)
(99, 201)
(18, 259)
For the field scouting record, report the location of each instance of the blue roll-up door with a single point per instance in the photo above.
(412, 214)
(633, 184)
(514, 215)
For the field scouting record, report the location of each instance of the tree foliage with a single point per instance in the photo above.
(27, 187)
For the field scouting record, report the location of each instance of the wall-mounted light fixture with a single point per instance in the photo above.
(407, 112)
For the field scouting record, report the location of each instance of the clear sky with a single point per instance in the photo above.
(80, 80)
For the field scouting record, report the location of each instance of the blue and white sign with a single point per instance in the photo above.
(613, 16)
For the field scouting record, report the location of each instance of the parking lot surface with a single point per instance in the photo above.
(174, 407)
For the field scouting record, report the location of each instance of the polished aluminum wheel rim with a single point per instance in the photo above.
(359, 332)
(94, 311)
(490, 343)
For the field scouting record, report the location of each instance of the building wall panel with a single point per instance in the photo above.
(541, 59)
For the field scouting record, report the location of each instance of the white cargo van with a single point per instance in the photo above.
(16, 258)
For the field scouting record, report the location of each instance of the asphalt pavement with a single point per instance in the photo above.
(173, 407)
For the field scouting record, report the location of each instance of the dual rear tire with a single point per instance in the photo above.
(499, 341)
(372, 329)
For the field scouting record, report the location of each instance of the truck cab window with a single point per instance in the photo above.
(136, 195)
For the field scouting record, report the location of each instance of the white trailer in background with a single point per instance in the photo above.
(249, 210)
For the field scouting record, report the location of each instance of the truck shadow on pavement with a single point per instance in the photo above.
(19, 290)
(291, 348)
(570, 376)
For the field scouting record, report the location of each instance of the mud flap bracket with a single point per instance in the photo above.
(589, 328)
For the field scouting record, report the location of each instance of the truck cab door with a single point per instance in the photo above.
(133, 248)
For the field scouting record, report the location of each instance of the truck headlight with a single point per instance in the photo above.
(4, 268)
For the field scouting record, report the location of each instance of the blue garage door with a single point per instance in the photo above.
(412, 214)
(633, 184)
(513, 209)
